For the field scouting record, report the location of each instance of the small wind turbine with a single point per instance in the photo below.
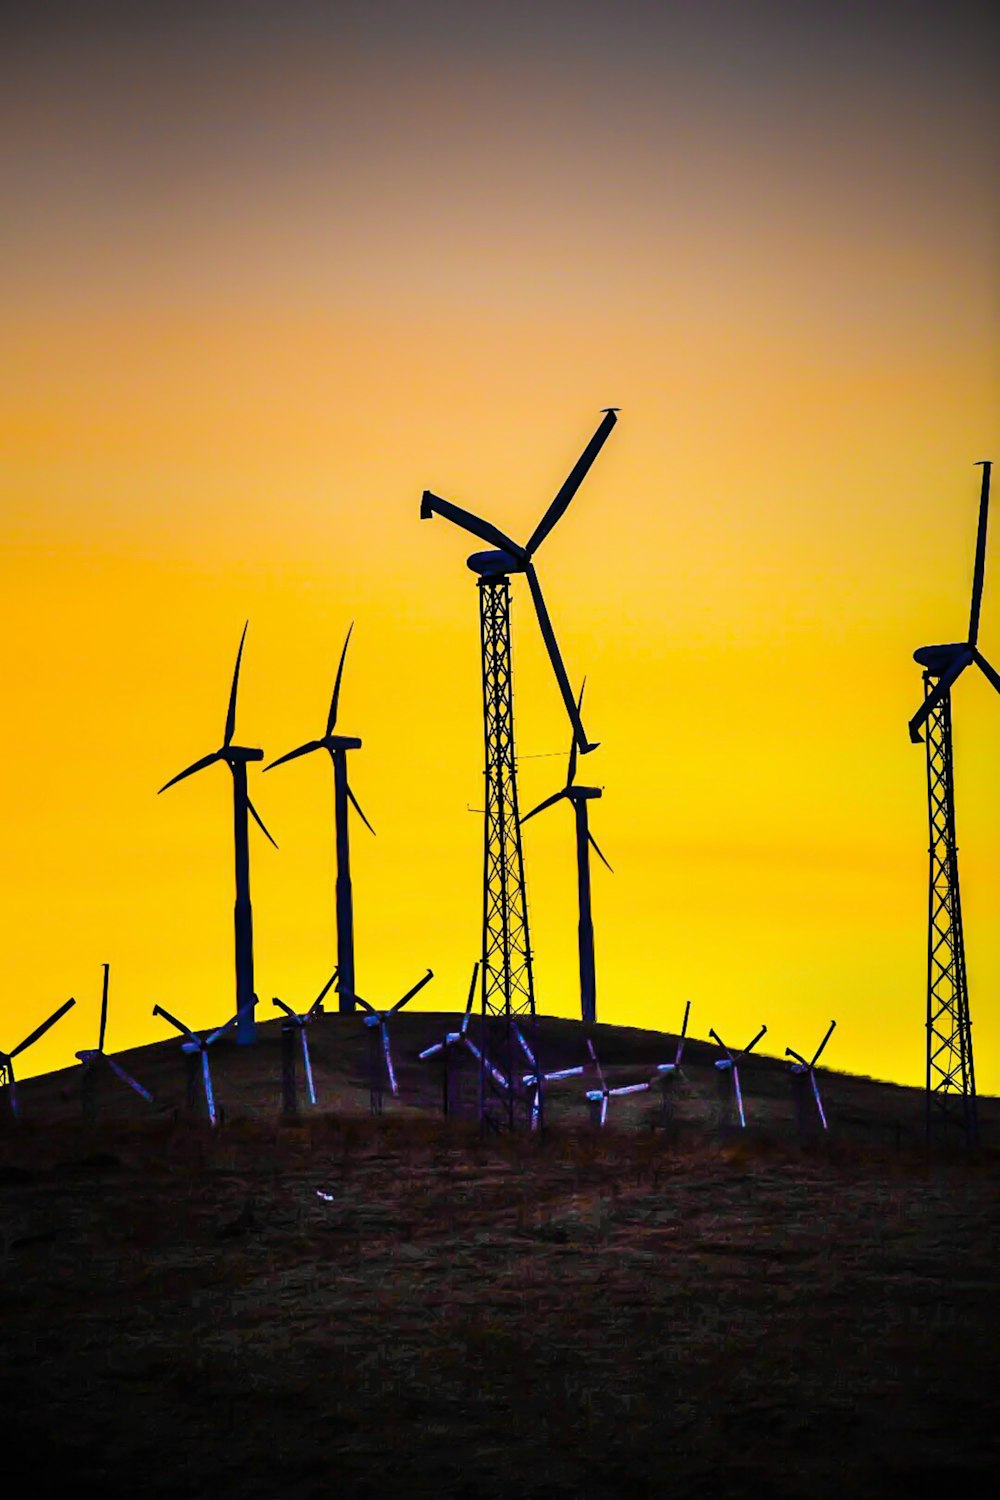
(337, 746)
(236, 758)
(803, 1074)
(379, 1052)
(729, 1074)
(91, 1057)
(598, 1098)
(579, 797)
(451, 1040)
(667, 1073)
(7, 1082)
(299, 1022)
(197, 1046)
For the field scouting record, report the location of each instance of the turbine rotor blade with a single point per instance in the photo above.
(282, 1006)
(323, 992)
(127, 1078)
(752, 1045)
(259, 821)
(307, 1066)
(357, 808)
(472, 987)
(797, 1055)
(306, 749)
(410, 993)
(104, 1010)
(571, 774)
(350, 995)
(387, 1052)
(549, 802)
(206, 1075)
(199, 765)
(819, 1049)
(717, 1038)
(572, 483)
(593, 1058)
(551, 645)
(979, 567)
(990, 673)
(680, 1040)
(944, 682)
(179, 1025)
(335, 700)
(231, 713)
(597, 849)
(432, 504)
(214, 1036)
(56, 1015)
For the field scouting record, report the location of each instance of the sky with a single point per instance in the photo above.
(269, 271)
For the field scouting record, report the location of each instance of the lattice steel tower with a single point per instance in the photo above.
(506, 976)
(951, 1078)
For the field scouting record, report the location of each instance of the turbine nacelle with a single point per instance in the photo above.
(496, 564)
(938, 659)
(342, 742)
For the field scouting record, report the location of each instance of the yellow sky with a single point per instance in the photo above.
(229, 377)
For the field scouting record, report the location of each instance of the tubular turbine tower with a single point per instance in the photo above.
(507, 984)
(951, 1077)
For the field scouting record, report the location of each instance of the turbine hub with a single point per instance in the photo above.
(495, 564)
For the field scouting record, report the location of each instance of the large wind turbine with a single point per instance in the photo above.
(951, 1079)
(578, 797)
(236, 758)
(337, 745)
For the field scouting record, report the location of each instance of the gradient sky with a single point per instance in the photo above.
(271, 271)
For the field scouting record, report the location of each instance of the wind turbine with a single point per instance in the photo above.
(729, 1073)
(91, 1057)
(197, 1046)
(805, 1072)
(578, 797)
(598, 1098)
(379, 1050)
(951, 1079)
(507, 981)
(337, 746)
(299, 1022)
(451, 1040)
(667, 1073)
(236, 758)
(7, 1058)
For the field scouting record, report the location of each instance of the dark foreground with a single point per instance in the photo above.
(589, 1316)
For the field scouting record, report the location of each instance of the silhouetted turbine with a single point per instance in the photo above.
(731, 1064)
(578, 797)
(236, 758)
(302, 1019)
(801, 1068)
(90, 1057)
(7, 1058)
(337, 746)
(378, 1022)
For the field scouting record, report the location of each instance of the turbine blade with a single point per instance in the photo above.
(127, 1078)
(307, 1065)
(206, 1074)
(56, 1015)
(789, 1052)
(259, 821)
(335, 700)
(990, 673)
(231, 714)
(104, 1010)
(306, 749)
(199, 765)
(430, 1051)
(739, 1096)
(323, 992)
(819, 1049)
(571, 775)
(472, 991)
(680, 1040)
(286, 1008)
(524, 1047)
(551, 645)
(819, 1102)
(717, 1038)
(597, 849)
(593, 1058)
(357, 1000)
(432, 504)
(387, 1053)
(630, 1088)
(604, 1108)
(572, 483)
(753, 1044)
(185, 1030)
(357, 808)
(214, 1036)
(930, 703)
(410, 993)
(979, 567)
(549, 802)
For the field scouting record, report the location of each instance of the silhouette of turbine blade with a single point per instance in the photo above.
(819, 1049)
(335, 700)
(127, 1078)
(410, 993)
(597, 849)
(221, 1030)
(259, 821)
(231, 714)
(797, 1055)
(472, 989)
(323, 992)
(593, 1058)
(199, 765)
(357, 808)
(979, 567)
(56, 1015)
(306, 749)
(307, 1065)
(179, 1025)
(282, 1006)
(432, 504)
(990, 673)
(552, 647)
(549, 802)
(351, 995)
(944, 682)
(104, 1010)
(751, 1045)
(573, 481)
(571, 773)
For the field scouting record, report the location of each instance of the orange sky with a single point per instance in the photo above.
(268, 281)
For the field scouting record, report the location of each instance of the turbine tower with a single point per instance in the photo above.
(951, 1079)
(337, 745)
(579, 797)
(506, 975)
(236, 758)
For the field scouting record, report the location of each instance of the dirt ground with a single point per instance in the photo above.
(387, 1307)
